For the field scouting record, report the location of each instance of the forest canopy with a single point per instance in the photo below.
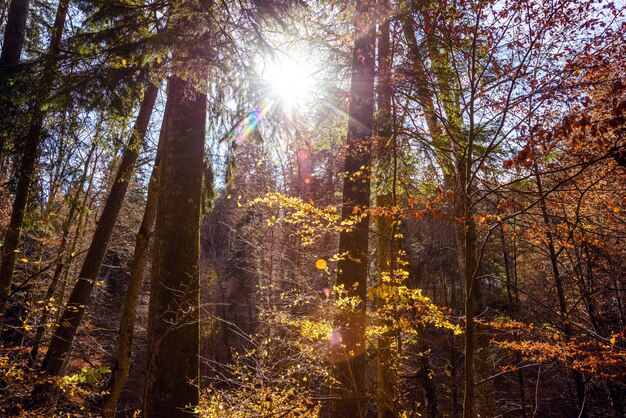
(294, 208)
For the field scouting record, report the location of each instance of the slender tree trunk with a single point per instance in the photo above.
(470, 238)
(77, 236)
(29, 157)
(446, 146)
(173, 326)
(65, 332)
(514, 307)
(560, 291)
(123, 356)
(350, 323)
(62, 256)
(387, 379)
(425, 99)
(470, 305)
(58, 170)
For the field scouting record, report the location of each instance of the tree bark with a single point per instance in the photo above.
(173, 328)
(350, 323)
(61, 343)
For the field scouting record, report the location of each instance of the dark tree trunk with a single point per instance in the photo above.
(14, 36)
(63, 338)
(13, 43)
(173, 328)
(350, 323)
(30, 147)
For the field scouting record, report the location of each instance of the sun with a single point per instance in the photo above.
(289, 80)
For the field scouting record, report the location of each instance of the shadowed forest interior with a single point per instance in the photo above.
(294, 208)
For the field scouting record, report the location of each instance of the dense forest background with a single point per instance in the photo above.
(291, 208)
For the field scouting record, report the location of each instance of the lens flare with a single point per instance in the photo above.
(335, 338)
(248, 124)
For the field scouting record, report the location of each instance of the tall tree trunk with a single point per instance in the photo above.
(123, 357)
(350, 323)
(173, 328)
(387, 379)
(61, 343)
(30, 149)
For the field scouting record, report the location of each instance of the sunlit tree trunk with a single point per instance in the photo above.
(61, 343)
(387, 379)
(350, 323)
(123, 356)
(29, 146)
(425, 99)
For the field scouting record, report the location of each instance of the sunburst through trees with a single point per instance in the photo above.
(293, 208)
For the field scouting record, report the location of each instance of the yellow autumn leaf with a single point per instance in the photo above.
(24, 260)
